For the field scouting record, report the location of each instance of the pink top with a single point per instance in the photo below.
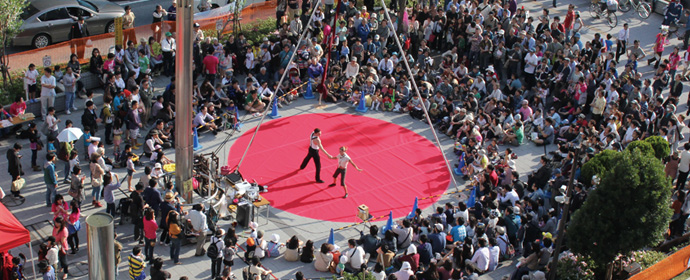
(150, 227)
(58, 212)
(17, 108)
(61, 237)
(74, 216)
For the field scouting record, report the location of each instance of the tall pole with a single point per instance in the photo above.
(564, 217)
(183, 99)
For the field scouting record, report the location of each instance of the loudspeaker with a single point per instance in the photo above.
(244, 214)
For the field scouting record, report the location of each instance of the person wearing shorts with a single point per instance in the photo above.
(133, 124)
(343, 160)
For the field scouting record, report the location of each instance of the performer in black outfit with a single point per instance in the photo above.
(314, 147)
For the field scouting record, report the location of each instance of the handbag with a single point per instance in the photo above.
(17, 185)
(74, 228)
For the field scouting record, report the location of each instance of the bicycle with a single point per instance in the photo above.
(596, 11)
(644, 10)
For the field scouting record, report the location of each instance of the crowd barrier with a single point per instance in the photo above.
(60, 52)
(667, 268)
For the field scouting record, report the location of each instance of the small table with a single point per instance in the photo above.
(261, 203)
(20, 119)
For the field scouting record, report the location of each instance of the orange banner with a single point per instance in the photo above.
(667, 268)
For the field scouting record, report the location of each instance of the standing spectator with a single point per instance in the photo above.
(157, 23)
(50, 178)
(97, 173)
(30, 76)
(73, 226)
(134, 124)
(152, 196)
(150, 227)
(47, 92)
(210, 66)
(176, 236)
(217, 261)
(111, 182)
(136, 264)
(14, 166)
(69, 80)
(35, 145)
(128, 32)
(137, 212)
(199, 227)
(168, 48)
(78, 31)
(60, 233)
(90, 118)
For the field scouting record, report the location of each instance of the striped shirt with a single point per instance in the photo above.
(136, 267)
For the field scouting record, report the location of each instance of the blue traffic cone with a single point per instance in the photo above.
(309, 94)
(389, 224)
(414, 209)
(473, 197)
(197, 146)
(331, 238)
(461, 164)
(274, 110)
(362, 107)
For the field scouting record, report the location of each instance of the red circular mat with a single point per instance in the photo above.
(398, 165)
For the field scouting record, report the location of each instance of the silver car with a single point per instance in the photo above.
(50, 21)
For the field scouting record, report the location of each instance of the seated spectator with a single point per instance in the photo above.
(292, 249)
(324, 258)
(307, 255)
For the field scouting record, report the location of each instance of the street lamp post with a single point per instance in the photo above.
(183, 99)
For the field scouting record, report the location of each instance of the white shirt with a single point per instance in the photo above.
(531, 61)
(684, 165)
(356, 256)
(511, 196)
(168, 45)
(493, 257)
(47, 81)
(481, 258)
(624, 34)
(92, 149)
(342, 163)
(30, 77)
(198, 220)
(200, 118)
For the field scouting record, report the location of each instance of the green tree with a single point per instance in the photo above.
(628, 210)
(644, 147)
(597, 166)
(10, 24)
(660, 145)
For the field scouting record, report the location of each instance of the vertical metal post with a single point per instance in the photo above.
(566, 211)
(100, 236)
(183, 99)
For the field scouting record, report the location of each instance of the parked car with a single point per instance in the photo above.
(50, 21)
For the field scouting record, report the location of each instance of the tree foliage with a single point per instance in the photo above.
(660, 145)
(597, 166)
(10, 24)
(644, 147)
(628, 211)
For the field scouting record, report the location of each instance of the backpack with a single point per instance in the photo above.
(212, 251)
(510, 249)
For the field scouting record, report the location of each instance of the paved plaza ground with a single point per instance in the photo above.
(35, 216)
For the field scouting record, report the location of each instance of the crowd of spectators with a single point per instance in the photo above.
(485, 74)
